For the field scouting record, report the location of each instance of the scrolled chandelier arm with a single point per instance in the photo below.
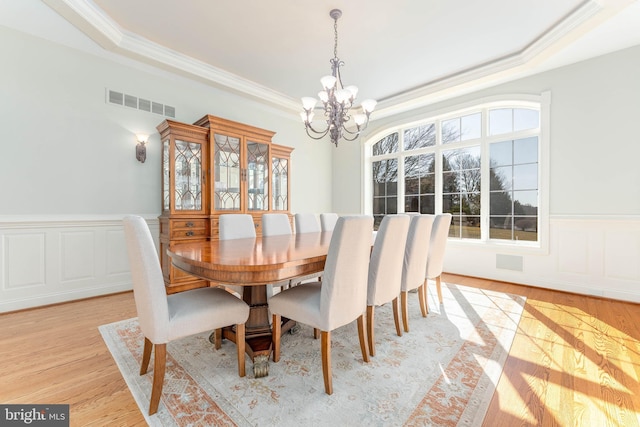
(337, 101)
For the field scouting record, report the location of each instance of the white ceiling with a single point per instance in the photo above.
(402, 53)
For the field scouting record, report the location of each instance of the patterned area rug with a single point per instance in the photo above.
(442, 373)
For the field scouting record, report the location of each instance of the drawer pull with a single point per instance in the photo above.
(189, 224)
(189, 233)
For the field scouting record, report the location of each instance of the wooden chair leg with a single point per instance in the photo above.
(396, 316)
(146, 356)
(439, 288)
(218, 338)
(372, 346)
(240, 343)
(421, 298)
(426, 294)
(325, 344)
(405, 310)
(362, 334)
(316, 333)
(159, 366)
(276, 327)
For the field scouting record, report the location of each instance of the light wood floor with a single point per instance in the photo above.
(574, 362)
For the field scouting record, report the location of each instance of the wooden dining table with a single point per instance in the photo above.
(254, 263)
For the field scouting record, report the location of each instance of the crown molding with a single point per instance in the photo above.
(91, 20)
(584, 18)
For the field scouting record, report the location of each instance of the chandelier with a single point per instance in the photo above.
(337, 100)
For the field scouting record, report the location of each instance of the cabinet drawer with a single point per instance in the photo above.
(188, 233)
(188, 223)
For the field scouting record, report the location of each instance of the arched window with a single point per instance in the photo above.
(483, 164)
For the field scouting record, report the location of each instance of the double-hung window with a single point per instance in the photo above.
(482, 164)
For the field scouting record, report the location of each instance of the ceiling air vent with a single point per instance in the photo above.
(123, 99)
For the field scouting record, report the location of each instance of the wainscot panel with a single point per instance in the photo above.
(587, 255)
(47, 260)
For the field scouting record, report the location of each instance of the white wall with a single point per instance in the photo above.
(594, 244)
(68, 157)
(68, 171)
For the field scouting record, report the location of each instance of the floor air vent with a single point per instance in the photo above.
(126, 100)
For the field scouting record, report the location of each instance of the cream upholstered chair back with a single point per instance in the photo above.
(275, 224)
(344, 283)
(328, 221)
(307, 223)
(385, 271)
(339, 299)
(437, 244)
(435, 260)
(148, 283)
(416, 251)
(415, 260)
(385, 267)
(165, 318)
(236, 226)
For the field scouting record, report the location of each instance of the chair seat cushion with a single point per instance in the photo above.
(198, 310)
(300, 303)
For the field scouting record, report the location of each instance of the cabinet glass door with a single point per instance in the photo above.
(226, 167)
(166, 185)
(257, 176)
(188, 176)
(280, 181)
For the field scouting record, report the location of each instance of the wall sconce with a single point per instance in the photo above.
(141, 149)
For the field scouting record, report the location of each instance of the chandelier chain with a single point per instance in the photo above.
(335, 33)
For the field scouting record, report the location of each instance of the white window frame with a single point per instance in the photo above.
(483, 105)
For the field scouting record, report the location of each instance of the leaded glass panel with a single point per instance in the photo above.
(188, 179)
(257, 176)
(279, 179)
(226, 159)
(166, 193)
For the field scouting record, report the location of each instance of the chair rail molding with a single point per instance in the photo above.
(51, 259)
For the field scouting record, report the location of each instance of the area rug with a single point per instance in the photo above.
(442, 372)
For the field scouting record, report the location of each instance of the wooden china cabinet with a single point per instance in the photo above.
(211, 168)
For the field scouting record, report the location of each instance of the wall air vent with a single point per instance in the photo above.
(130, 101)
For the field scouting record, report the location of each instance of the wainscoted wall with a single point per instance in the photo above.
(45, 261)
(587, 255)
(54, 259)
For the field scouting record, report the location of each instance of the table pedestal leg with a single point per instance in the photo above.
(257, 330)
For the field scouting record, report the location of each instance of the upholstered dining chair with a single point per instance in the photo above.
(306, 223)
(415, 263)
(276, 224)
(435, 260)
(339, 299)
(164, 318)
(236, 226)
(385, 270)
(328, 221)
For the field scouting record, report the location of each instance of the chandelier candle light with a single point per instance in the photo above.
(337, 101)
